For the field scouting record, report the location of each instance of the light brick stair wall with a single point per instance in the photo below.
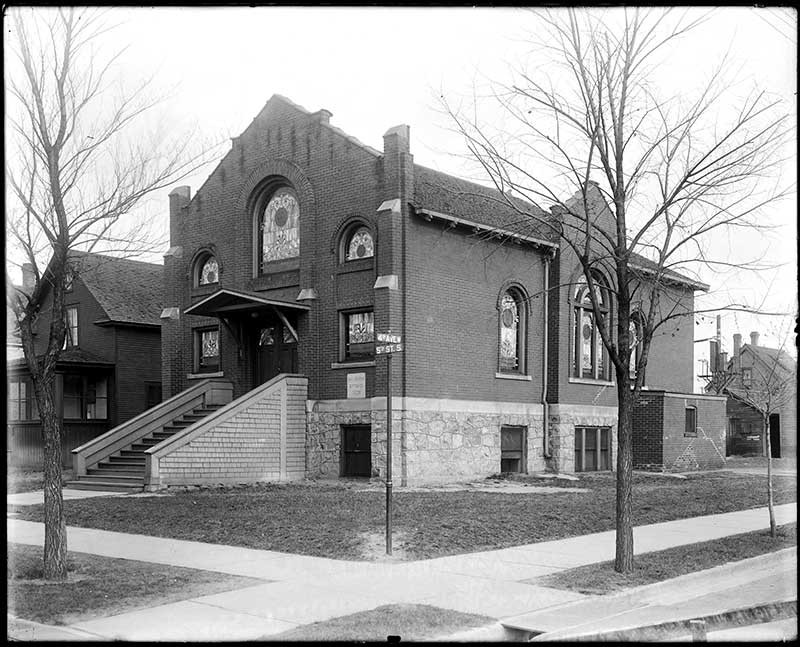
(258, 437)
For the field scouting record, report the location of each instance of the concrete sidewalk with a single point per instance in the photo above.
(304, 589)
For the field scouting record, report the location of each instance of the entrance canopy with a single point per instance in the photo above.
(227, 302)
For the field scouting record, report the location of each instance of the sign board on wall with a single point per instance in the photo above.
(356, 385)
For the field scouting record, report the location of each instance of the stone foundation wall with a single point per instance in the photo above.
(432, 440)
(563, 420)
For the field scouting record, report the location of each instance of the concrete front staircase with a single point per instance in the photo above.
(116, 461)
(124, 470)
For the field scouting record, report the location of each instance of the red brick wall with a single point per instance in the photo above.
(648, 436)
(455, 281)
(138, 361)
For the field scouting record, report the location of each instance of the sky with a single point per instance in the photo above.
(375, 68)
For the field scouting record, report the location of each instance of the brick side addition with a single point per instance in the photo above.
(261, 439)
(705, 450)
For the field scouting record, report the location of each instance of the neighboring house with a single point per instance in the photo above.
(303, 247)
(110, 368)
(761, 379)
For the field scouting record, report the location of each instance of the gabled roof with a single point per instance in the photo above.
(647, 266)
(438, 192)
(128, 291)
(776, 357)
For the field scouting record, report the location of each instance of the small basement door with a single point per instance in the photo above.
(357, 451)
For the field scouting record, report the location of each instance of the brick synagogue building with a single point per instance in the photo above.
(302, 246)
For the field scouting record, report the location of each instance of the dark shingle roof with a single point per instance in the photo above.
(483, 205)
(649, 266)
(129, 291)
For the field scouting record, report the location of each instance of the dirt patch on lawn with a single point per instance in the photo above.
(373, 547)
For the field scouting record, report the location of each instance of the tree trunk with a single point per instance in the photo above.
(772, 529)
(623, 562)
(55, 527)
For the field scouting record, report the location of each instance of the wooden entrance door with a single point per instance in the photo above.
(276, 351)
(357, 451)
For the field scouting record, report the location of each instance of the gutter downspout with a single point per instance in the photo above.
(546, 353)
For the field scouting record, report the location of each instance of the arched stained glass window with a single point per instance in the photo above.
(512, 334)
(359, 245)
(209, 271)
(589, 354)
(280, 227)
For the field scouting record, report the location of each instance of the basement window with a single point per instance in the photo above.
(592, 449)
(690, 429)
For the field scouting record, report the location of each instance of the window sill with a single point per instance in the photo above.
(513, 376)
(338, 365)
(203, 376)
(584, 380)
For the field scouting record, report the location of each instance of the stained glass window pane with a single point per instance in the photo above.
(280, 227)
(585, 350)
(360, 245)
(209, 272)
(209, 350)
(288, 337)
(360, 334)
(267, 337)
(509, 326)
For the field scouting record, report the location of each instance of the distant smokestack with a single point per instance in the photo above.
(723, 361)
(754, 338)
(713, 356)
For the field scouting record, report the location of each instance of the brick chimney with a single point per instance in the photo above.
(754, 338)
(179, 197)
(713, 356)
(28, 278)
(398, 164)
(723, 361)
(737, 347)
(322, 116)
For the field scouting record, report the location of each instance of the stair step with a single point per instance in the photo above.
(103, 485)
(132, 454)
(138, 459)
(113, 472)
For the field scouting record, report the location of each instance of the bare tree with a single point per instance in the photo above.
(673, 172)
(769, 386)
(77, 166)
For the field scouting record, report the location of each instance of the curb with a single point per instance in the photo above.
(696, 627)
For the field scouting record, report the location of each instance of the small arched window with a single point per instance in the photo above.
(590, 359)
(358, 244)
(279, 226)
(207, 270)
(512, 332)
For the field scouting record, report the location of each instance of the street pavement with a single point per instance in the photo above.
(300, 589)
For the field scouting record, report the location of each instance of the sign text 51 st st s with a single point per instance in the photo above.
(386, 349)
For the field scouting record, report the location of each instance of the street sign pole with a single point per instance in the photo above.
(388, 453)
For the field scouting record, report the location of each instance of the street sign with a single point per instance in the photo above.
(388, 338)
(387, 349)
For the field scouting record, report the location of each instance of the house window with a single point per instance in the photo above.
(71, 323)
(279, 227)
(512, 449)
(85, 398)
(512, 332)
(592, 449)
(358, 244)
(207, 350)
(358, 335)
(21, 401)
(690, 428)
(207, 270)
(589, 355)
(68, 278)
(747, 376)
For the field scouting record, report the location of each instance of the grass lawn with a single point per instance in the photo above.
(22, 479)
(102, 586)
(411, 622)
(340, 519)
(600, 579)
